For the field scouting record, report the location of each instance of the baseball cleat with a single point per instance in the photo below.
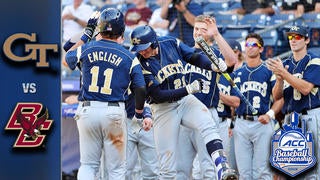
(229, 174)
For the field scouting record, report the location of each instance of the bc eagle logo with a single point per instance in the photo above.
(29, 118)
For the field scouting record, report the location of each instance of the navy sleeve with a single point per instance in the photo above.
(200, 60)
(160, 96)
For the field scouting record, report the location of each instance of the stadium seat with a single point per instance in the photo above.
(213, 8)
(253, 22)
(224, 21)
(278, 19)
(314, 50)
(235, 5)
(312, 21)
(270, 39)
(235, 34)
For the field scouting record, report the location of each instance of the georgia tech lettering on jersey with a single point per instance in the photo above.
(224, 89)
(297, 94)
(169, 70)
(189, 68)
(286, 84)
(104, 56)
(255, 86)
(32, 48)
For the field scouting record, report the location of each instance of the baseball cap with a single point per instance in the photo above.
(235, 45)
(298, 30)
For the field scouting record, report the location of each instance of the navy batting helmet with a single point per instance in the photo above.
(111, 21)
(143, 37)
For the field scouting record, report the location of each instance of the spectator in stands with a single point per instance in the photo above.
(311, 6)
(299, 7)
(74, 18)
(269, 52)
(315, 37)
(181, 15)
(135, 16)
(255, 7)
(138, 15)
(157, 23)
(290, 7)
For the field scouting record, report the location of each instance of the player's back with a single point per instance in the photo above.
(107, 70)
(211, 97)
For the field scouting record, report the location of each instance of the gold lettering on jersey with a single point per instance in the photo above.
(314, 90)
(189, 68)
(255, 86)
(31, 48)
(286, 84)
(224, 89)
(169, 70)
(104, 56)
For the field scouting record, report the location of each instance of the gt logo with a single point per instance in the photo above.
(32, 48)
(29, 118)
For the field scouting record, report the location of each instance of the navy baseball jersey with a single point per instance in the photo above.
(307, 69)
(224, 87)
(167, 69)
(256, 85)
(108, 81)
(211, 97)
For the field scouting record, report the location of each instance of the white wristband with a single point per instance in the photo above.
(270, 113)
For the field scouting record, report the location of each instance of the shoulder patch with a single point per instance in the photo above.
(145, 72)
(314, 61)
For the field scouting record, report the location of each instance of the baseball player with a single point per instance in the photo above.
(172, 101)
(101, 112)
(253, 132)
(206, 27)
(225, 112)
(298, 83)
(141, 142)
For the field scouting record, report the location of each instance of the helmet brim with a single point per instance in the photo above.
(139, 47)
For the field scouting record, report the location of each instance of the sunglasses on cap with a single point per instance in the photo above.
(295, 36)
(253, 44)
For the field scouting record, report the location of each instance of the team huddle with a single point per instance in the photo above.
(165, 103)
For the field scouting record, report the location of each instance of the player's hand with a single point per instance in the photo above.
(212, 26)
(276, 66)
(264, 119)
(181, 7)
(230, 132)
(147, 124)
(197, 86)
(91, 26)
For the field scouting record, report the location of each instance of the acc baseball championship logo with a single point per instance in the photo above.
(293, 148)
(30, 119)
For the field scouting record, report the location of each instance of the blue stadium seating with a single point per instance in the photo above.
(277, 19)
(226, 20)
(235, 34)
(213, 8)
(235, 5)
(252, 22)
(311, 20)
(315, 50)
(270, 38)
